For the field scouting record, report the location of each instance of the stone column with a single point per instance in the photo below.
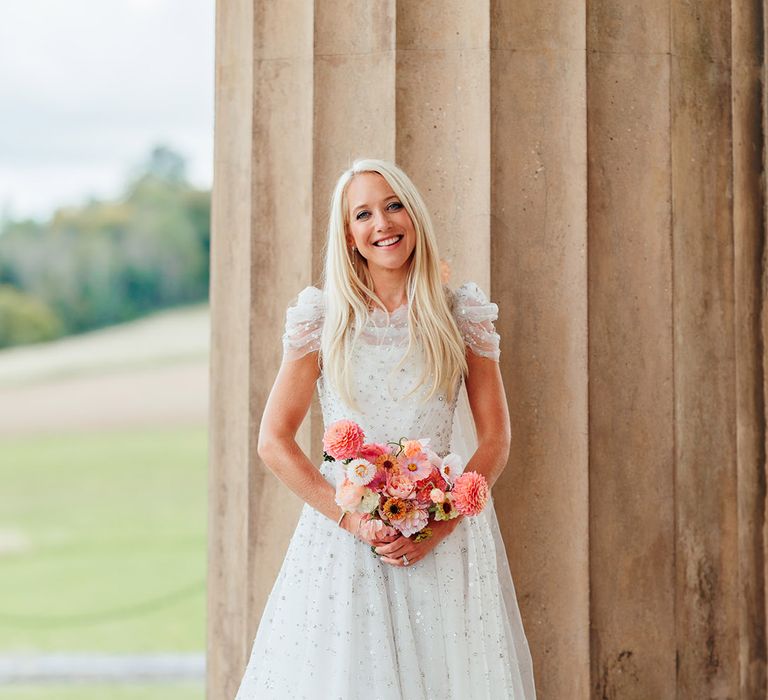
(631, 352)
(261, 255)
(597, 167)
(538, 277)
(676, 429)
(748, 56)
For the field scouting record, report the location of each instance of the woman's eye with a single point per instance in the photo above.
(360, 214)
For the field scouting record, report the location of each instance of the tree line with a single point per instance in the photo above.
(106, 262)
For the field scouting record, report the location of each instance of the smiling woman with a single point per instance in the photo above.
(361, 611)
(381, 231)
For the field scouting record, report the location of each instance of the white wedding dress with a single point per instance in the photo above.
(341, 624)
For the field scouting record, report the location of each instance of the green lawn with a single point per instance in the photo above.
(160, 691)
(102, 548)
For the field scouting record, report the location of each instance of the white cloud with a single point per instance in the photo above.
(88, 87)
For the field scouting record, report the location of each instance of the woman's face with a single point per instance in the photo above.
(378, 217)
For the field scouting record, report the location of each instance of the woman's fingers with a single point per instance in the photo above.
(390, 547)
(399, 560)
(400, 550)
(381, 541)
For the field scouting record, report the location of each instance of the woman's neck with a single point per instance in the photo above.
(390, 287)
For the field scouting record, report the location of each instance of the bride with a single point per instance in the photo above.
(390, 347)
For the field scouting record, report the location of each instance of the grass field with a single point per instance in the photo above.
(102, 546)
(171, 691)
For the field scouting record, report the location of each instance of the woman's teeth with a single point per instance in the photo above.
(387, 242)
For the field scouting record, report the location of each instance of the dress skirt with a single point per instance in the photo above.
(341, 624)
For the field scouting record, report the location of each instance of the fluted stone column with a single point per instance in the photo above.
(677, 415)
(538, 267)
(597, 167)
(749, 338)
(631, 352)
(262, 252)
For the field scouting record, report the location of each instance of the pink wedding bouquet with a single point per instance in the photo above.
(398, 485)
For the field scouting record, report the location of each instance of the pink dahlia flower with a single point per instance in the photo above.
(343, 439)
(470, 493)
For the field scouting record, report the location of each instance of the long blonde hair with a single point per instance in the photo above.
(349, 291)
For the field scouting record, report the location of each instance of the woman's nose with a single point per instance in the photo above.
(382, 220)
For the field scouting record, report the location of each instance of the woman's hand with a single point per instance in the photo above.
(392, 553)
(352, 522)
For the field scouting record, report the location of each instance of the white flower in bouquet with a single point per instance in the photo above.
(451, 467)
(360, 471)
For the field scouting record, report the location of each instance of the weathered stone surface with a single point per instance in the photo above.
(597, 167)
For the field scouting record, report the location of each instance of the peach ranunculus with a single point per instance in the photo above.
(349, 494)
(398, 485)
(470, 493)
(343, 439)
(373, 528)
(414, 520)
(413, 447)
(436, 495)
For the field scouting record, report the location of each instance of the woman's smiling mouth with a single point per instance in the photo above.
(389, 242)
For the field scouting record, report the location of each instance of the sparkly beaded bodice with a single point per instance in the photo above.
(379, 386)
(380, 389)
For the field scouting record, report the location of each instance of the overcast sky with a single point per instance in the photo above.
(87, 87)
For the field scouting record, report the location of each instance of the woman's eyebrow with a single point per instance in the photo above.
(361, 206)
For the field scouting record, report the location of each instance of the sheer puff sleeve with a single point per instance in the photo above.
(474, 315)
(303, 324)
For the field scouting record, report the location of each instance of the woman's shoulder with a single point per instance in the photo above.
(470, 299)
(309, 296)
(304, 323)
(475, 313)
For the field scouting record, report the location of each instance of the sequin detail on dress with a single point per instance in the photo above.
(472, 310)
(475, 315)
(341, 624)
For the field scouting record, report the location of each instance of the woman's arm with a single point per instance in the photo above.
(488, 401)
(287, 405)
